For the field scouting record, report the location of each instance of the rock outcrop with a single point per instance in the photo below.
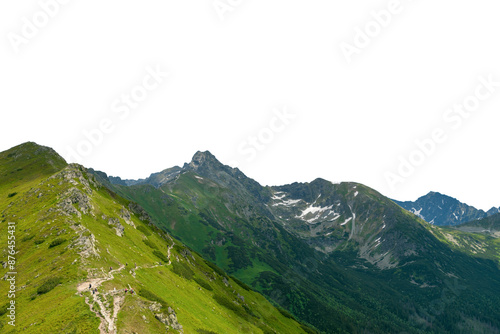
(85, 242)
(169, 320)
(115, 222)
(125, 215)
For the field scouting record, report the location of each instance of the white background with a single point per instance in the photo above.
(352, 120)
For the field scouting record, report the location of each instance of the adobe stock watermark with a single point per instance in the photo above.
(11, 276)
(223, 7)
(31, 26)
(121, 107)
(379, 20)
(453, 118)
(253, 144)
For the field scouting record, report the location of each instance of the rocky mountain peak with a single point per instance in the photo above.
(202, 159)
(442, 210)
(493, 211)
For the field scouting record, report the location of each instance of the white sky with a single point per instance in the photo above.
(352, 120)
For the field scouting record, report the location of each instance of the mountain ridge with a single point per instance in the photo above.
(443, 210)
(349, 227)
(70, 229)
(340, 256)
(202, 159)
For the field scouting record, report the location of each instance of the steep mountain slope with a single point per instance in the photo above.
(340, 256)
(487, 226)
(442, 210)
(73, 236)
(25, 163)
(478, 238)
(155, 179)
(350, 216)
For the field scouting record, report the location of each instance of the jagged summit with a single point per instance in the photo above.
(203, 160)
(439, 209)
(493, 211)
(201, 156)
(202, 163)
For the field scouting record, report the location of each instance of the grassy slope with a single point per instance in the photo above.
(214, 307)
(482, 245)
(336, 300)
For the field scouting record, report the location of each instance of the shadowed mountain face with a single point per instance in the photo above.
(493, 211)
(339, 256)
(337, 217)
(442, 210)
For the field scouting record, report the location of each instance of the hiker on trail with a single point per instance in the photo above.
(90, 286)
(110, 268)
(93, 292)
(126, 290)
(126, 264)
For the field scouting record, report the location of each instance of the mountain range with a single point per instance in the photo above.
(88, 261)
(443, 210)
(207, 243)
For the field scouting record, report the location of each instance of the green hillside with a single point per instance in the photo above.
(478, 238)
(339, 256)
(71, 231)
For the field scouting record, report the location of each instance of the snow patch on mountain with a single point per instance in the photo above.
(289, 202)
(276, 197)
(346, 221)
(417, 213)
(316, 211)
(335, 215)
